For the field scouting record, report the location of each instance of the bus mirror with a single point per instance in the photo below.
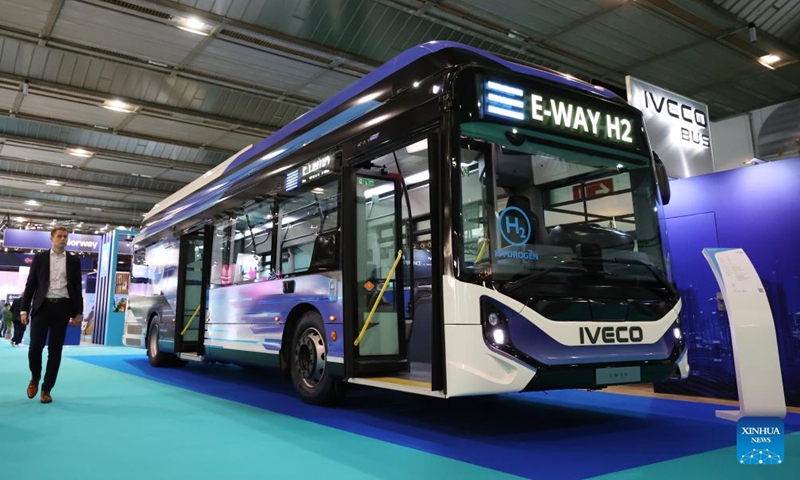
(662, 179)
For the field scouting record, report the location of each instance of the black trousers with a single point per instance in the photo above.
(52, 319)
(19, 331)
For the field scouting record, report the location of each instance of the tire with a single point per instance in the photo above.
(308, 362)
(154, 354)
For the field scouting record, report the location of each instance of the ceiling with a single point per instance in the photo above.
(191, 100)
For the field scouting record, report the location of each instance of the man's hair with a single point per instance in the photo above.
(53, 231)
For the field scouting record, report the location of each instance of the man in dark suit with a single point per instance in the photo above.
(54, 299)
(19, 328)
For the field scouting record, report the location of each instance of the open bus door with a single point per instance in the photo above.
(193, 280)
(374, 292)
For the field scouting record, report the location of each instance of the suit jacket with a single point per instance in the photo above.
(39, 281)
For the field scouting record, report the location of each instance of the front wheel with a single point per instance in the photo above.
(308, 362)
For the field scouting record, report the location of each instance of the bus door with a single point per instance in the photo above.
(376, 282)
(193, 281)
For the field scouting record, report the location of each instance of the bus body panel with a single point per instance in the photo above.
(476, 367)
(252, 316)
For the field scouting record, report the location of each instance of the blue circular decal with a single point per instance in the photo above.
(515, 226)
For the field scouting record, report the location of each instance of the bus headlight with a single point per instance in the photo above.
(499, 336)
(493, 319)
(676, 332)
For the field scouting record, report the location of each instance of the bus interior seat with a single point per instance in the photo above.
(325, 255)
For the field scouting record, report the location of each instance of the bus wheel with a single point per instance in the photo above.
(156, 356)
(309, 359)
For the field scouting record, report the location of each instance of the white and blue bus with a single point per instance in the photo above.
(452, 224)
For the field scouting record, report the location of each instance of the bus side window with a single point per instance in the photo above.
(308, 226)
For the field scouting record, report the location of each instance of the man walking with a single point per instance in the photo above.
(54, 299)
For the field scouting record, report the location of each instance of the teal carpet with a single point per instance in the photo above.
(106, 425)
(115, 417)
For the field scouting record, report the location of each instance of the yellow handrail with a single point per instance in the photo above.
(484, 242)
(378, 300)
(190, 321)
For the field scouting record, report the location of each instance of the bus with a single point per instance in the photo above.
(451, 224)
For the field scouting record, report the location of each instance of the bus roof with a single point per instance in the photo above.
(193, 198)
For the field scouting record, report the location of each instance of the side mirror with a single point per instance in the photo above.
(662, 179)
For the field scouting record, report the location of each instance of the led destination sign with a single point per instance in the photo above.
(309, 172)
(558, 114)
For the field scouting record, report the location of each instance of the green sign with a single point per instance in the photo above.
(367, 182)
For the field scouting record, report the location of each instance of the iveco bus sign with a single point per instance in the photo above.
(678, 128)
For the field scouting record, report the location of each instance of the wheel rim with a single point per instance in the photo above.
(309, 357)
(153, 343)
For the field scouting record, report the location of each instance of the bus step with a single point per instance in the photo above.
(191, 357)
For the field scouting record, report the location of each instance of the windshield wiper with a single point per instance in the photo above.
(646, 265)
(513, 286)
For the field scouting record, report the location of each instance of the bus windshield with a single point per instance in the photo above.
(548, 218)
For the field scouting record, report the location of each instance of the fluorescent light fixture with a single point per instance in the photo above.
(121, 228)
(193, 25)
(157, 64)
(32, 202)
(417, 147)
(769, 59)
(66, 165)
(78, 152)
(377, 191)
(422, 176)
(53, 183)
(318, 190)
(118, 106)
(20, 219)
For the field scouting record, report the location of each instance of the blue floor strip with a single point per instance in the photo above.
(560, 434)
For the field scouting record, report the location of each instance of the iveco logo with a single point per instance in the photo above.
(611, 335)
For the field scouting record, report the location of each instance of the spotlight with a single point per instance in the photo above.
(753, 33)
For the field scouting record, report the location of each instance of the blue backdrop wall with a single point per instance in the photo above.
(758, 209)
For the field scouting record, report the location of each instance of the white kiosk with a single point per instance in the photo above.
(755, 346)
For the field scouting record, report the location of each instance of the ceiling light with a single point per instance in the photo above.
(193, 25)
(769, 59)
(53, 183)
(78, 152)
(119, 106)
(32, 202)
(417, 147)
(66, 165)
(20, 219)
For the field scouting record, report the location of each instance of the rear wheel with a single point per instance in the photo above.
(154, 354)
(308, 362)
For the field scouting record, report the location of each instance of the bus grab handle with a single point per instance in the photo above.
(378, 300)
(190, 321)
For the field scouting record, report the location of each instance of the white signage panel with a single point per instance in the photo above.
(678, 128)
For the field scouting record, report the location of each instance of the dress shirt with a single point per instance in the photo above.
(58, 276)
